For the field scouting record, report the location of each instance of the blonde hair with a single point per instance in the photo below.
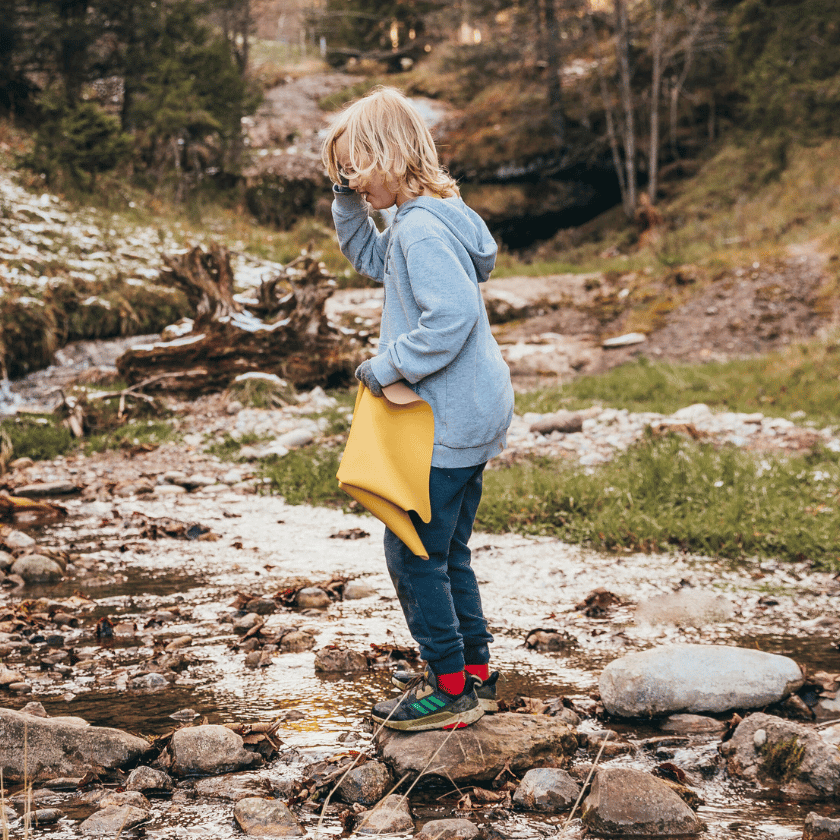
(387, 135)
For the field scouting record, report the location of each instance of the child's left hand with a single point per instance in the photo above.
(364, 374)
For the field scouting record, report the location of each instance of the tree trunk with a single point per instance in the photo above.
(655, 93)
(622, 47)
(555, 92)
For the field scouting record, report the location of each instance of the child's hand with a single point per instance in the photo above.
(365, 375)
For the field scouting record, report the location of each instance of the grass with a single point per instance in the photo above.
(669, 493)
(307, 476)
(135, 433)
(36, 436)
(803, 378)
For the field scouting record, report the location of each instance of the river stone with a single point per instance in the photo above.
(312, 598)
(104, 797)
(390, 816)
(36, 568)
(782, 755)
(453, 829)
(561, 421)
(693, 725)
(209, 750)
(16, 540)
(56, 748)
(150, 681)
(630, 803)
(366, 784)
(481, 751)
(295, 438)
(113, 819)
(45, 816)
(337, 659)
(9, 677)
(687, 608)
(245, 623)
(233, 787)
(47, 488)
(820, 828)
(356, 589)
(547, 789)
(297, 641)
(696, 678)
(6, 561)
(266, 818)
(148, 779)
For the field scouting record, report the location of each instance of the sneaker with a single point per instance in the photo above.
(425, 706)
(484, 690)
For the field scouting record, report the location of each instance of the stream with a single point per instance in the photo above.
(169, 588)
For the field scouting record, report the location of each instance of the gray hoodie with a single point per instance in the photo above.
(435, 333)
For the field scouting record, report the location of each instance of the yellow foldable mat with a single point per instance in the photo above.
(386, 463)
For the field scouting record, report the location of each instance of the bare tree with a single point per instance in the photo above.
(628, 124)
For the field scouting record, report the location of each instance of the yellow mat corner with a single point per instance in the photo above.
(386, 463)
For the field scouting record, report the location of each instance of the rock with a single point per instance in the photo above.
(6, 561)
(561, 421)
(338, 659)
(626, 340)
(9, 677)
(628, 803)
(480, 751)
(266, 818)
(547, 789)
(356, 589)
(233, 787)
(36, 568)
(113, 820)
(149, 682)
(21, 463)
(104, 797)
(56, 748)
(696, 678)
(687, 608)
(295, 438)
(312, 598)
(195, 482)
(390, 816)
(692, 725)
(366, 784)
(148, 779)
(820, 828)
(782, 755)
(48, 488)
(209, 750)
(297, 641)
(454, 829)
(17, 540)
(45, 816)
(244, 623)
(547, 640)
(178, 643)
(261, 606)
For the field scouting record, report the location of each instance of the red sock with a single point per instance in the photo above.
(451, 683)
(480, 671)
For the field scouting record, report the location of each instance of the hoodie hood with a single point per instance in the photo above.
(464, 224)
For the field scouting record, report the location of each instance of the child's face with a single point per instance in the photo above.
(374, 190)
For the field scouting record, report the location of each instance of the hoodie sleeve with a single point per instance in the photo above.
(358, 237)
(447, 297)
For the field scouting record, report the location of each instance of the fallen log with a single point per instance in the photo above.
(283, 330)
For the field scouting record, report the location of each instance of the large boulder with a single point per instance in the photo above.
(208, 750)
(821, 828)
(481, 751)
(631, 803)
(782, 755)
(696, 678)
(58, 747)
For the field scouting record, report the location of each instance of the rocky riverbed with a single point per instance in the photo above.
(175, 595)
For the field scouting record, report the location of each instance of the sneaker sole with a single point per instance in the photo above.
(442, 720)
(489, 704)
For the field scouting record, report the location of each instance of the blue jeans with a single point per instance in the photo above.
(439, 596)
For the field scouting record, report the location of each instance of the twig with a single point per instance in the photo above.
(825, 723)
(583, 787)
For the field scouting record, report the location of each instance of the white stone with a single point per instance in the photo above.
(696, 678)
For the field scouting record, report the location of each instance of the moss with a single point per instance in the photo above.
(783, 759)
(38, 437)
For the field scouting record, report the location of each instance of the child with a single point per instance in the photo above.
(435, 335)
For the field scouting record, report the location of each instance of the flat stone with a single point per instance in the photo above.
(337, 659)
(312, 598)
(45, 816)
(209, 750)
(626, 340)
(261, 606)
(56, 748)
(266, 818)
(357, 589)
(780, 754)
(36, 568)
(366, 784)
(6, 561)
(547, 789)
(693, 725)
(149, 682)
(113, 819)
(561, 421)
(297, 641)
(631, 803)
(390, 816)
(47, 488)
(17, 540)
(687, 608)
(480, 751)
(103, 797)
(696, 678)
(9, 677)
(233, 787)
(453, 829)
(295, 438)
(820, 828)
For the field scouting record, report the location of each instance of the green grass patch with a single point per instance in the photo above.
(307, 477)
(36, 436)
(228, 448)
(136, 433)
(803, 378)
(669, 493)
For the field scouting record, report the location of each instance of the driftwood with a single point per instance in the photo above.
(282, 330)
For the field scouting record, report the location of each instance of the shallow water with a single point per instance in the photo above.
(200, 579)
